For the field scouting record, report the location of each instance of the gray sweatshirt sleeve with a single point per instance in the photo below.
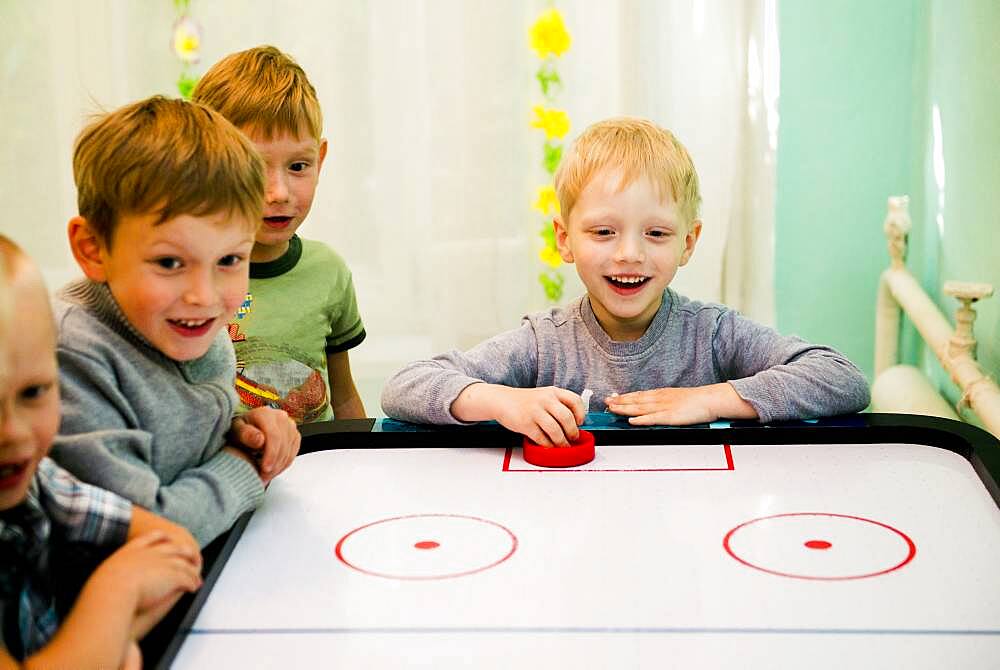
(100, 444)
(423, 391)
(785, 377)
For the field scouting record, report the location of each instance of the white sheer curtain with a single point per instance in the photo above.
(432, 169)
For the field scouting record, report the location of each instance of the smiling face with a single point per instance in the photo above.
(627, 245)
(292, 172)
(177, 282)
(29, 392)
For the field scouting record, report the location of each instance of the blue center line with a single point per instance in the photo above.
(570, 630)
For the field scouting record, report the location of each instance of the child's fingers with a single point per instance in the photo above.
(566, 417)
(633, 398)
(292, 447)
(558, 423)
(635, 409)
(160, 544)
(283, 443)
(654, 419)
(248, 434)
(180, 574)
(133, 657)
(576, 406)
(538, 436)
(147, 540)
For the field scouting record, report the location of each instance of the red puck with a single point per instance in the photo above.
(578, 452)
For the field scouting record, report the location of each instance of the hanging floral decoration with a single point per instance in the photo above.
(550, 40)
(186, 45)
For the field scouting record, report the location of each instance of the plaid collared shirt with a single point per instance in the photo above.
(57, 505)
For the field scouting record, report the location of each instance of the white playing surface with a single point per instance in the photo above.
(800, 556)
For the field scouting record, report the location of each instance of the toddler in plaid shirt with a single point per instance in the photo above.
(44, 511)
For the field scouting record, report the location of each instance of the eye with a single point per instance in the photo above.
(603, 232)
(168, 263)
(230, 260)
(35, 391)
(656, 233)
(299, 166)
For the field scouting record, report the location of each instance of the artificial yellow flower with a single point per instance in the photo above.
(554, 122)
(550, 257)
(548, 35)
(547, 201)
(187, 40)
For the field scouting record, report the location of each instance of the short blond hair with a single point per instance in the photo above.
(637, 148)
(168, 156)
(11, 256)
(262, 90)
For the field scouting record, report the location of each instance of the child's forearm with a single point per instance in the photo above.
(350, 407)
(97, 632)
(344, 398)
(476, 402)
(726, 403)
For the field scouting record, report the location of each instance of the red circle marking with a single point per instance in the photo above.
(427, 544)
(338, 550)
(911, 547)
(818, 544)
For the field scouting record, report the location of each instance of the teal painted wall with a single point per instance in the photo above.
(845, 143)
(859, 83)
(964, 84)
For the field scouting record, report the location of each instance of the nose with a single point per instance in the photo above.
(276, 186)
(13, 428)
(630, 249)
(200, 289)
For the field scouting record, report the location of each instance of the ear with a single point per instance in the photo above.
(322, 154)
(87, 249)
(562, 239)
(690, 240)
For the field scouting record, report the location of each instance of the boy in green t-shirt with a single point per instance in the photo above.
(300, 318)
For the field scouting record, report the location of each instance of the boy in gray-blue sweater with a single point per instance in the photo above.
(170, 197)
(629, 198)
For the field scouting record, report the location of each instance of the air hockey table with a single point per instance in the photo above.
(863, 541)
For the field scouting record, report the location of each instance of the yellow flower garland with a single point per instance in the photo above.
(550, 40)
(549, 36)
(186, 44)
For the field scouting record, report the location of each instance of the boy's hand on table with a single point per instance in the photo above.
(547, 416)
(154, 571)
(144, 522)
(679, 406)
(271, 432)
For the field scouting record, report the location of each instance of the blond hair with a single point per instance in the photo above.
(262, 90)
(11, 255)
(168, 156)
(635, 148)
(13, 260)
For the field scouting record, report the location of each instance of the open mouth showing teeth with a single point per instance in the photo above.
(193, 324)
(627, 282)
(12, 469)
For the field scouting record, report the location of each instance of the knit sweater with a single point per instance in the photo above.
(144, 425)
(687, 343)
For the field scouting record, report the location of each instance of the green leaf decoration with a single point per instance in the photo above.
(186, 84)
(552, 284)
(549, 80)
(553, 154)
(548, 234)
